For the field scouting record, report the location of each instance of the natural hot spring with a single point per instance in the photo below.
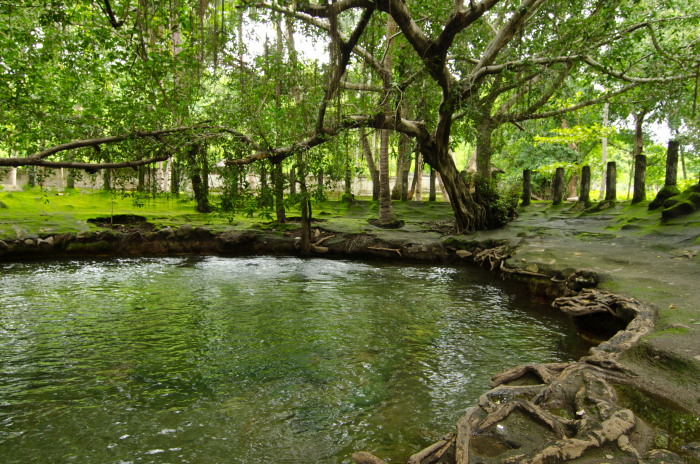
(225, 360)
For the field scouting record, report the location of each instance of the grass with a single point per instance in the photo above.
(42, 212)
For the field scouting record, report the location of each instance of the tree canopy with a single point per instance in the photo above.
(106, 84)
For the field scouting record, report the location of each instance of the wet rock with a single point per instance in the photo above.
(463, 254)
(44, 244)
(231, 240)
(319, 249)
(662, 457)
(61, 240)
(50, 240)
(84, 236)
(184, 231)
(29, 242)
(107, 235)
(135, 237)
(3, 246)
(165, 233)
(203, 232)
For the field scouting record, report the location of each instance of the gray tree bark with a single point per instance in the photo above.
(640, 177)
(611, 182)
(558, 187)
(584, 196)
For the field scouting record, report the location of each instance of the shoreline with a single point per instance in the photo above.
(522, 397)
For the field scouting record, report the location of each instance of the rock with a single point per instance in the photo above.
(662, 457)
(107, 235)
(3, 205)
(663, 195)
(232, 240)
(203, 232)
(29, 242)
(165, 233)
(532, 268)
(84, 236)
(135, 237)
(50, 240)
(44, 244)
(63, 239)
(3, 246)
(463, 254)
(184, 231)
(681, 209)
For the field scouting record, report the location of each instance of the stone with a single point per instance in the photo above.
(165, 232)
(3, 246)
(463, 254)
(135, 237)
(184, 231)
(44, 244)
(50, 240)
(63, 239)
(203, 232)
(29, 242)
(231, 240)
(82, 236)
(319, 249)
(662, 457)
(532, 268)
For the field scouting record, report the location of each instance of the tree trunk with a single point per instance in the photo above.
(396, 191)
(584, 196)
(404, 186)
(685, 177)
(640, 176)
(418, 177)
(31, 176)
(292, 181)
(305, 219)
(70, 179)
(604, 153)
(278, 181)
(483, 148)
(611, 182)
(107, 179)
(527, 188)
(558, 187)
(432, 196)
(571, 187)
(386, 212)
(175, 179)
(671, 164)
(348, 182)
(141, 182)
(320, 178)
(200, 186)
(373, 172)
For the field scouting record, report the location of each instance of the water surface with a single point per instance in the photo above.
(239, 360)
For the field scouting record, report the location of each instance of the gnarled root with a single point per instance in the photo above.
(574, 401)
(495, 256)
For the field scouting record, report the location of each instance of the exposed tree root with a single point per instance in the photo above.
(495, 256)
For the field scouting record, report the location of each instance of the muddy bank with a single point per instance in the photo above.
(535, 413)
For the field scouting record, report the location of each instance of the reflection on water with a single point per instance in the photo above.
(228, 360)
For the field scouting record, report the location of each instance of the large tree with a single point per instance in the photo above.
(483, 64)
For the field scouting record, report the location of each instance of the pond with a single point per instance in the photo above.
(261, 359)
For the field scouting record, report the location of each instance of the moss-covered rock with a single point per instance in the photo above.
(682, 208)
(663, 195)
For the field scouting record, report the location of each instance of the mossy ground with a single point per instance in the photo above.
(40, 212)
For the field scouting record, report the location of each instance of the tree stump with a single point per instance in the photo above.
(640, 177)
(611, 182)
(585, 184)
(671, 163)
(527, 188)
(558, 187)
(432, 196)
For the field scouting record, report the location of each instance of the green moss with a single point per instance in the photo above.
(676, 427)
